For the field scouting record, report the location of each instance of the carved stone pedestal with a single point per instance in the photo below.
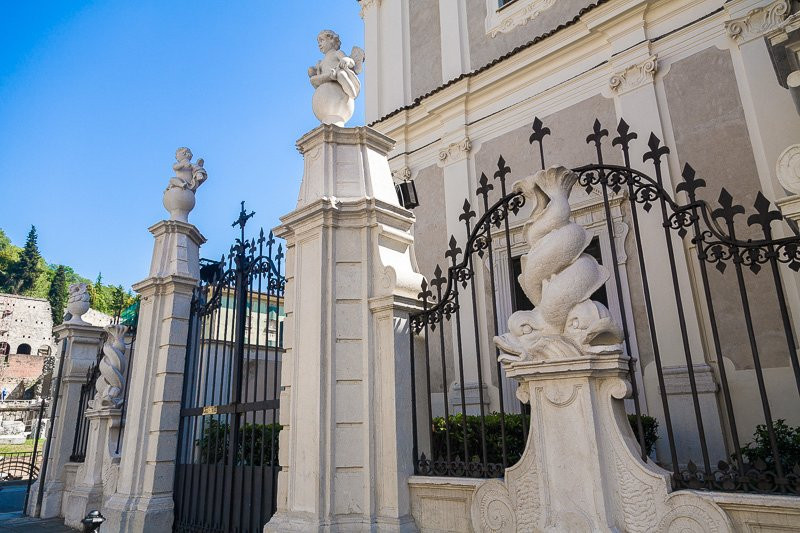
(580, 470)
(97, 475)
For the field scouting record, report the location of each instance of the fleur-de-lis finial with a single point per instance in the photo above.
(485, 186)
(502, 170)
(690, 182)
(598, 132)
(453, 251)
(624, 138)
(656, 150)
(764, 217)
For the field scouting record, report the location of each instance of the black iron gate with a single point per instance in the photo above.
(227, 463)
(491, 437)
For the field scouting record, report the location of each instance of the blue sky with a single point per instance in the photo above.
(96, 96)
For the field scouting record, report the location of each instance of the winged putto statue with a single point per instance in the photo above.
(335, 80)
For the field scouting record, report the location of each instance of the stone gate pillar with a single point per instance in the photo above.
(79, 344)
(346, 449)
(143, 498)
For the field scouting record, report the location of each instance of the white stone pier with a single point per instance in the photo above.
(345, 449)
(80, 342)
(143, 498)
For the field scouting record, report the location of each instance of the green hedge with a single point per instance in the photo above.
(515, 442)
(256, 441)
(787, 439)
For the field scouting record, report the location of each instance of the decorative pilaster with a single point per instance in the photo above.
(345, 447)
(455, 152)
(143, 497)
(80, 342)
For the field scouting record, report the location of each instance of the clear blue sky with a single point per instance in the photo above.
(96, 96)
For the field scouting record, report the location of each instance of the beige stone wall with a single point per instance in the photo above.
(426, 50)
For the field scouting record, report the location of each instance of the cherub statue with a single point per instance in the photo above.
(335, 78)
(187, 175)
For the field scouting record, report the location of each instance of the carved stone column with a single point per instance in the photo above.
(345, 447)
(143, 498)
(80, 343)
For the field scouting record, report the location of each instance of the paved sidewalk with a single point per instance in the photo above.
(14, 523)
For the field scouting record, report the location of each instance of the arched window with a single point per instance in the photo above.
(44, 350)
(24, 349)
(4, 348)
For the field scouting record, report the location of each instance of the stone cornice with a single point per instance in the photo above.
(158, 285)
(329, 133)
(85, 332)
(176, 226)
(634, 76)
(758, 21)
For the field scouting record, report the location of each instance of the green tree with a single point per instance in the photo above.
(26, 270)
(58, 294)
(9, 254)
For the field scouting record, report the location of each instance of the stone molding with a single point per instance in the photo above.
(634, 76)
(787, 168)
(455, 152)
(676, 379)
(366, 5)
(517, 14)
(329, 133)
(758, 21)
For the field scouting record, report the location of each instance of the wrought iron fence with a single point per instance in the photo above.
(227, 461)
(703, 449)
(88, 390)
(130, 350)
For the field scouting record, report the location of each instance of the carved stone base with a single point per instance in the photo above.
(580, 470)
(94, 478)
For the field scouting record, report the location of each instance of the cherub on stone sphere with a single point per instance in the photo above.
(335, 78)
(179, 196)
(187, 175)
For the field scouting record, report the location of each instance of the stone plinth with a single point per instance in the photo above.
(143, 498)
(790, 207)
(345, 450)
(79, 344)
(581, 470)
(96, 475)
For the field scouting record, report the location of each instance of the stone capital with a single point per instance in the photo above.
(634, 76)
(367, 5)
(455, 152)
(79, 332)
(758, 21)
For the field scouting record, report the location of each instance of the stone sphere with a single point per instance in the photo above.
(331, 104)
(179, 202)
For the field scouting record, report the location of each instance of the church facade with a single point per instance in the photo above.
(459, 84)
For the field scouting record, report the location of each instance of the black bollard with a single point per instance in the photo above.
(92, 521)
